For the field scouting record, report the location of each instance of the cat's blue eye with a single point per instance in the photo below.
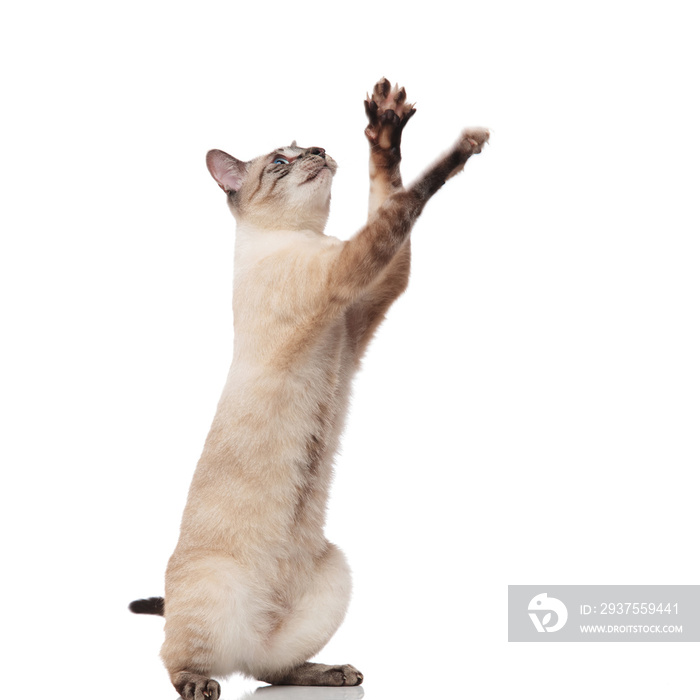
(280, 161)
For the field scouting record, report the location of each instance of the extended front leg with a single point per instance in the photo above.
(470, 143)
(388, 113)
(365, 258)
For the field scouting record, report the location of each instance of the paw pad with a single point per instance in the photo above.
(388, 112)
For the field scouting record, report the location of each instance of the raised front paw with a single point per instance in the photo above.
(470, 142)
(473, 139)
(388, 112)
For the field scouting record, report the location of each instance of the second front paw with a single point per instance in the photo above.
(474, 139)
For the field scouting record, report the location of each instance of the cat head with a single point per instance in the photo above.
(289, 188)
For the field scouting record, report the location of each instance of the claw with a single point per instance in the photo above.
(384, 86)
(407, 116)
(371, 109)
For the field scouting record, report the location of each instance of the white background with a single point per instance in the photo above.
(527, 414)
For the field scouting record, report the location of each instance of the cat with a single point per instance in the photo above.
(253, 585)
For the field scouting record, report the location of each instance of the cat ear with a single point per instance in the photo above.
(226, 170)
(294, 144)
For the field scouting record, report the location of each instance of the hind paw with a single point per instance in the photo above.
(350, 675)
(316, 674)
(194, 687)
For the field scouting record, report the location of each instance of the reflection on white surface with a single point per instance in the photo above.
(299, 692)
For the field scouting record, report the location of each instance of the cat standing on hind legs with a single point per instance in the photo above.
(253, 585)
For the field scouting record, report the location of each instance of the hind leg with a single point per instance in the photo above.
(205, 634)
(186, 655)
(313, 619)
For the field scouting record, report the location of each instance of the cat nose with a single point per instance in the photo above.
(317, 152)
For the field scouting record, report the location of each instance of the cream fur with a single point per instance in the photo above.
(253, 580)
(253, 585)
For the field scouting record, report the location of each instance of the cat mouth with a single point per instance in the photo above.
(313, 176)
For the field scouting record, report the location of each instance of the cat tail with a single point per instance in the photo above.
(148, 606)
